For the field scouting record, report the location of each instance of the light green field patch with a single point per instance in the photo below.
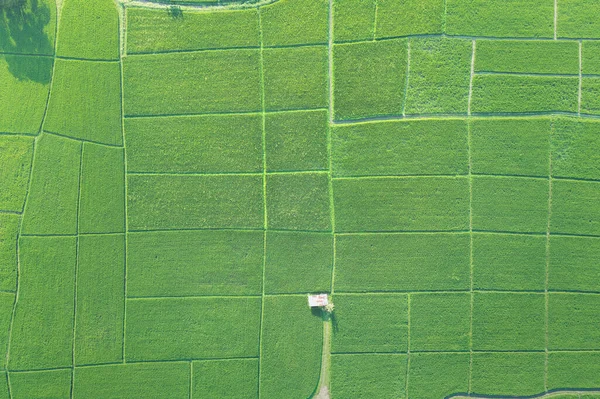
(290, 331)
(298, 262)
(503, 18)
(179, 263)
(53, 194)
(134, 381)
(527, 56)
(428, 203)
(590, 90)
(9, 228)
(154, 30)
(188, 83)
(295, 78)
(575, 208)
(574, 370)
(7, 301)
(225, 379)
(511, 146)
(439, 322)
(24, 87)
(369, 78)
(177, 202)
(102, 204)
(370, 323)
(576, 19)
(201, 144)
(573, 321)
(16, 153)
(308, 24)
(524, 94)
(574, 144)
(440, 71)
(353, 19)
(509, 262)
(368, 376)
(437, 375)
(574, 263)
(508, 321)
(590, 60)
(409, 17)
(86, 101)
(171, 328)
(510, 204)
(298, 202)
(89, 29)
(515, 374)
(40, 384)
(100, 296)
(296, 140)
(407, 262)
(42, 331)
(425, 147)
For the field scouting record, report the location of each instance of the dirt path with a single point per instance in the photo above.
(325, 377)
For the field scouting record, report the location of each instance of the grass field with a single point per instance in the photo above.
(176, 178)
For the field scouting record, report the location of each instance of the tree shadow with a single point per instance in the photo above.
(22, 24)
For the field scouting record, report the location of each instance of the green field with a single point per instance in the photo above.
(177, 176)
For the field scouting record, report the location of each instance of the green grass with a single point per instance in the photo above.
(576, 18)
(41, 384)
(102, 204)
(437, 375)
(225, 379)
(201, 144)
(188, 83)
(162, 202)
(512, 18)
(439, 322)
(590, 60)
(573, 370)
(42, 331)
(86, 101)
(16, 153)
(134, 381)
(298, 262)
(9, 228)
(296, 140)
(409, 17)
(89, 29)
(424, 147)
(590, 89)
(575, 207)
(524, 94)
(573, 263)
(510, 146)
(509, 262)
(510, 204)
(370, 323)
(354, 20)
(408, 262)
(307, 26)
(52, 201)
(440, 71)
(298, 202)
(171, 328)
(428, 203)
(369, 78)
(368, 376)
(527, 56)
(172, 263)
(573, 321)
(100, 297)
(151, 30)
(508, 321)
(296, 78)
(291, 348)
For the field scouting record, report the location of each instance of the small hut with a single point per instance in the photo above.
(318, 301)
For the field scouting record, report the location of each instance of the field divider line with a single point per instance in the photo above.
(214, 174)
(191, 379)
(471, 78)
(223, 114)
(555, 19)
(407, 79)
(64, 136)
(406, 378)
(138, 54)
(527, 74)
(16, 134)
(580, 79)
(471, 281)
(375, 19)
(547, 269)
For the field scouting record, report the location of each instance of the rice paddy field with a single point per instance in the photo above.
(175, 179)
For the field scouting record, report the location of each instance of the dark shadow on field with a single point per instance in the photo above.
(22, 24)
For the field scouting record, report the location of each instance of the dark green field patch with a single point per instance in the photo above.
(440, 70)
(183, 263)
(298, 262)
(16, 153)
(574, 370)
(437, 375)
(425, 147)
(171, 328)
(154, 30)
(511, 146)
(368, 376)
(295, 78)
(307, 26)
(9, 228)
(574, 144)
(574, 263)
(200, 144)
(369, 78)
(40, 384)
(576, 19)
(575, 208)
(28, 27)
(573, 321)
(409, 17)
(370, 323)
(354, 20)
(428, 203)
(402, 262)
(225, 379)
